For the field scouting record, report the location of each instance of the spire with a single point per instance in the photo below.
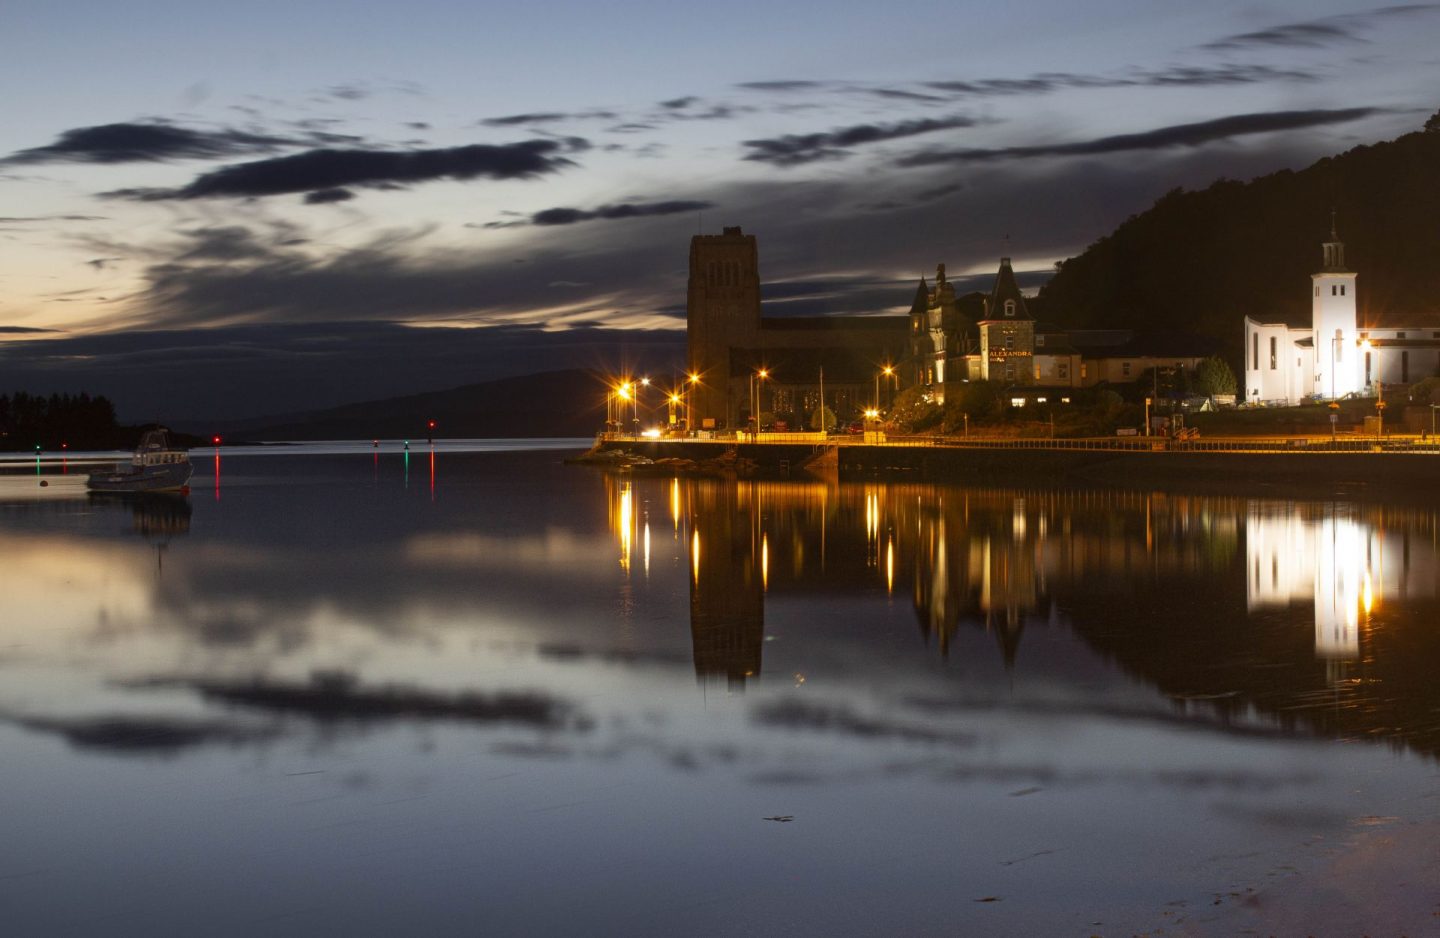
(922, 298)
(1334, 250)
(1006, 301)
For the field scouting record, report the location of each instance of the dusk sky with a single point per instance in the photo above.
(219, 212)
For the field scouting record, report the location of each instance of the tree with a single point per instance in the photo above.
(1213, 376)
(823, 418)
(1432, 126)
(914, 410)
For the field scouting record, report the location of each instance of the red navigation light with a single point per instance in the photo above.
(430, 424)
(215, 440)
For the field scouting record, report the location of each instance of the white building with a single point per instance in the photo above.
(1339, 355)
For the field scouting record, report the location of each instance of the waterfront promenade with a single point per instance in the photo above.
(1395, 460)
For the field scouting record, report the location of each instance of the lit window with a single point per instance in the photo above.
(1009, 307)
(1017, 402)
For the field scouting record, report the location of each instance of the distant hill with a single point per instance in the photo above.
(554, 403)
(1200, 261)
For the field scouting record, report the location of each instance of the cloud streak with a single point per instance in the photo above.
(799, 149)
(331, 169)
(155, 142)
(569, 216)
(1178, 135)
(1318, 33)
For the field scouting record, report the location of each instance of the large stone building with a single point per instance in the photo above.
(1342, 352)
(777, 365)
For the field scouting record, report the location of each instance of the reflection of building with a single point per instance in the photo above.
(1340, 352)
(1336, 564)
(727, 602)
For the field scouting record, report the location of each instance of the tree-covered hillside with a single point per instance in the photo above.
(1200, 261)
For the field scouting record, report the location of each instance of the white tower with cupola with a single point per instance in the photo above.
(1338, 370)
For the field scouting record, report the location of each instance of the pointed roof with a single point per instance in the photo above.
(922, 297)
(1006, 289)
(1334, 252)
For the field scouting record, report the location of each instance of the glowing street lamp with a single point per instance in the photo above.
(888, 371)
(762, 374)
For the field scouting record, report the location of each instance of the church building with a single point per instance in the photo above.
(1342, 353)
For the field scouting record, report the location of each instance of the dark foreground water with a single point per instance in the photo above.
(341, 692)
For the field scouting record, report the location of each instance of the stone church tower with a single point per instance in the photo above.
(723, 313)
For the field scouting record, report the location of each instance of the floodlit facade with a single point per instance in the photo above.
(1339, 355)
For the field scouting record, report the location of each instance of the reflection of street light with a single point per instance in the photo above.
(1147, 416)
(1334, 418)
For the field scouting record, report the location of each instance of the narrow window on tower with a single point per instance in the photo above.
(1334, 290)
(1273, 352)
(1255, 350)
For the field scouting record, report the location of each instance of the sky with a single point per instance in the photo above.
(218, 212)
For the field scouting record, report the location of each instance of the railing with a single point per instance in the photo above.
(1157, 444)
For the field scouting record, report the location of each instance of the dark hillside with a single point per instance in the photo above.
(556, 403)
(1199, 261)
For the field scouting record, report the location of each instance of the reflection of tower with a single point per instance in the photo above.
(978, 556)
(727, 605)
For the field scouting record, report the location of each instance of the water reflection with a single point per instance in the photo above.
(1205, 597)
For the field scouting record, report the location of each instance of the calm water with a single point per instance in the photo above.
(340, 691)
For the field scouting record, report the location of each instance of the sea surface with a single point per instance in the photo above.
(341, 689)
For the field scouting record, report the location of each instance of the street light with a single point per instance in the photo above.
(762, 374)
(693, 380)
(622, 393)
(887, 371)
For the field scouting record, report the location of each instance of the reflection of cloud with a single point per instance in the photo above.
(336, 697)
(800, 715)
(137, 735)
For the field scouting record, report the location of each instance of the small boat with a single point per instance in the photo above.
(156, 467)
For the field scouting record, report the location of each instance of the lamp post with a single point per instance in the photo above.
(1380, 410)
(693, 379)
(762, 374)
(1147, 416)
(622, 393)
(644, 382)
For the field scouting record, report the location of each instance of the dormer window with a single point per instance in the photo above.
(1010, 308)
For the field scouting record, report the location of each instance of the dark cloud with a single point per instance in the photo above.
(136, 735)
(513, 120)
(546, 117)
(1318, 33)
(417, 125)
(1183, 76)
(24, 330)
(899, 94)
(147, 142)
(679, 103)
(569, 216)
(348, 92)
(103, 263)
(797, 149)
(324, 196)
(1178, 135)
(13, 220)
(315, 170)
(781, 86)
(229, 243)
(338, 697)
